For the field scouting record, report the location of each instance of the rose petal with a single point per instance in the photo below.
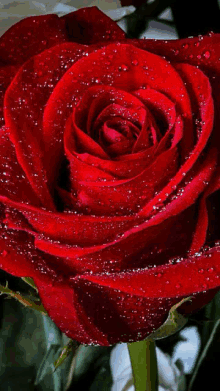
(200, 233)
(162, 108)
(6, 75)
(127, 196)
(147, 283)
(90, 25)
(85, 71)
(65, 310)
(13, 182)
(24, 119)
(99, 103)
(66, 305)
(126, 166)
(31, 36)
(20, 258)
(128, 300)
(73, 228)
(202, 52)
(117, 253)
(195, 78)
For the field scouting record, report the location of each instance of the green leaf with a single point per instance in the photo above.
(174, 323)
(22, 345)
(29, 344)
(25, 300)
(88, 367)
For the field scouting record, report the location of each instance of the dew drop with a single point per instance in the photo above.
(135, 62)
(123, 67)
(201, 271)
(4, 253)
(207, 55)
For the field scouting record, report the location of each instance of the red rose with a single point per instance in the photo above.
(109, 172)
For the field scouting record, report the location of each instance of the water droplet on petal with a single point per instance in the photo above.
(135, 62)
(123, 67)
(4, 253)
(207, 54)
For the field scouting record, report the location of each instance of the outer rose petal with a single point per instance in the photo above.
(203, 52)
(129, 300)
(24, 119)
(199, 236)
(31, 36)
(6, 75)
(69, 308)
(13, 182)
(193, 78)
(79, 230)
(90, 25)
(119, 253)
(20, 258)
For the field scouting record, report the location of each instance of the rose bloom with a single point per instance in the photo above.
(109, 172)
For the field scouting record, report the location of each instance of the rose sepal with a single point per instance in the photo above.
(174, 322)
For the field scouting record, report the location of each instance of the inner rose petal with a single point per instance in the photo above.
(162, 108)
(101, 102)
(124, 197)
(110, 135)
(87, 72)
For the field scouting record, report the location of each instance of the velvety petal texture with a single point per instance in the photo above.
(109, 172)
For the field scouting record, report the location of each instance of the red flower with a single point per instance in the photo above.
(109, 172)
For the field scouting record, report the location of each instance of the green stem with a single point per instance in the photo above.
(144, 365)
